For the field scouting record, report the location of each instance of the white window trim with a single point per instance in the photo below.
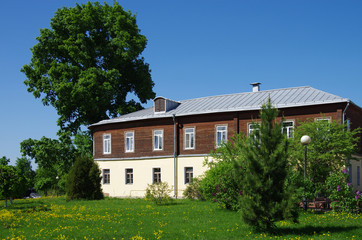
(104, 143)
(125, 142)
(250, 124)
(288, 128)
(329, 119)
(217, 144)
(194, 138)
(153, 140)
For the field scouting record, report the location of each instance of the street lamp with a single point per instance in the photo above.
(57, 178)
(305, 140)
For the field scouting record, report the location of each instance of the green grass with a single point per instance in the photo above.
(54, 218)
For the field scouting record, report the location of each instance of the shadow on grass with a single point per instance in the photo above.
(313, 230)
(28, 207)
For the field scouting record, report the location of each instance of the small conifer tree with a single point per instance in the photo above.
(84, 180)
(266, 197)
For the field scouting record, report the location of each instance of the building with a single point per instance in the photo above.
(170, 140)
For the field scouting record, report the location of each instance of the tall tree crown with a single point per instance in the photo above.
(87, 63)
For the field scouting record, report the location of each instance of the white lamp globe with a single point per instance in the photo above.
(305, 140)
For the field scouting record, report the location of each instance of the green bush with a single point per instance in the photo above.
(84, 180)
(221, 185)
(342, 194)
(159, 193)
(193, 190)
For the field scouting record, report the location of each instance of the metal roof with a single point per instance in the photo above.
(281, 98)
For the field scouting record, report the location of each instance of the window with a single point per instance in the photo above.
(188, 174)
(106, 176)
(129, 141)
(221, 135)
(107, 144)
(324, 119)
(358, 176)
(156, 175)
(129, 176)
(252, 127)
(157, 139)
(189, 138)
(288, 129)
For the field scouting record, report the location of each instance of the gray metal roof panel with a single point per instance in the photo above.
(281, 98)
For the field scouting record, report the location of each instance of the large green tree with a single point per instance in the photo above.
(332, 145)
(266, 197)
(26, 176)
(87, 62)
(54, 158)
(9, 179)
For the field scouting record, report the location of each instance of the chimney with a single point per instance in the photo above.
(256, 86)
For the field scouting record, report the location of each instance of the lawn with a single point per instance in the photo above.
(54, 218)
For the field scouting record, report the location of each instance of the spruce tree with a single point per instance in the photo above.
(266, 197)
(84, 180)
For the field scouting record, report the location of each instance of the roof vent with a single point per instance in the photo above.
(256, 86)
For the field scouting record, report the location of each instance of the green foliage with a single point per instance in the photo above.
(193, 190)
(26, 177)
(54, 158)
(341, 192)
(332, 144)
(83, 142)
(9, 179)
(87, 62)
(267, 198)
(221, 183)
(159, 193)
(84, 180)
(4, 161)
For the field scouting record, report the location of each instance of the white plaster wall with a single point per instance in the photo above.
(143, 174)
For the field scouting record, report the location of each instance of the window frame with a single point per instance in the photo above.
(188, 175)
(128, 176)
(217, 143)
(106, 176)
(156, 175)
(250, 130)
(328, 119)
(159, 136)
(288, 128)
(126, 150)
(191, 140)
(107, 142)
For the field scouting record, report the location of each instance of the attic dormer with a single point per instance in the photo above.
(162, 105)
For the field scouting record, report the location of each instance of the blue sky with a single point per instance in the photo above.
(198, 48)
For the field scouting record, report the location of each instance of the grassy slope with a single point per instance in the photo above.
(54, 218)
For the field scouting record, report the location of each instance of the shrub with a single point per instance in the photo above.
(220, 185)
(159, 193)
(84, 180)
(342, 194)
(193, 190)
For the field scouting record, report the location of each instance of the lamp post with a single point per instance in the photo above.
(57, 178)
(305, 140)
